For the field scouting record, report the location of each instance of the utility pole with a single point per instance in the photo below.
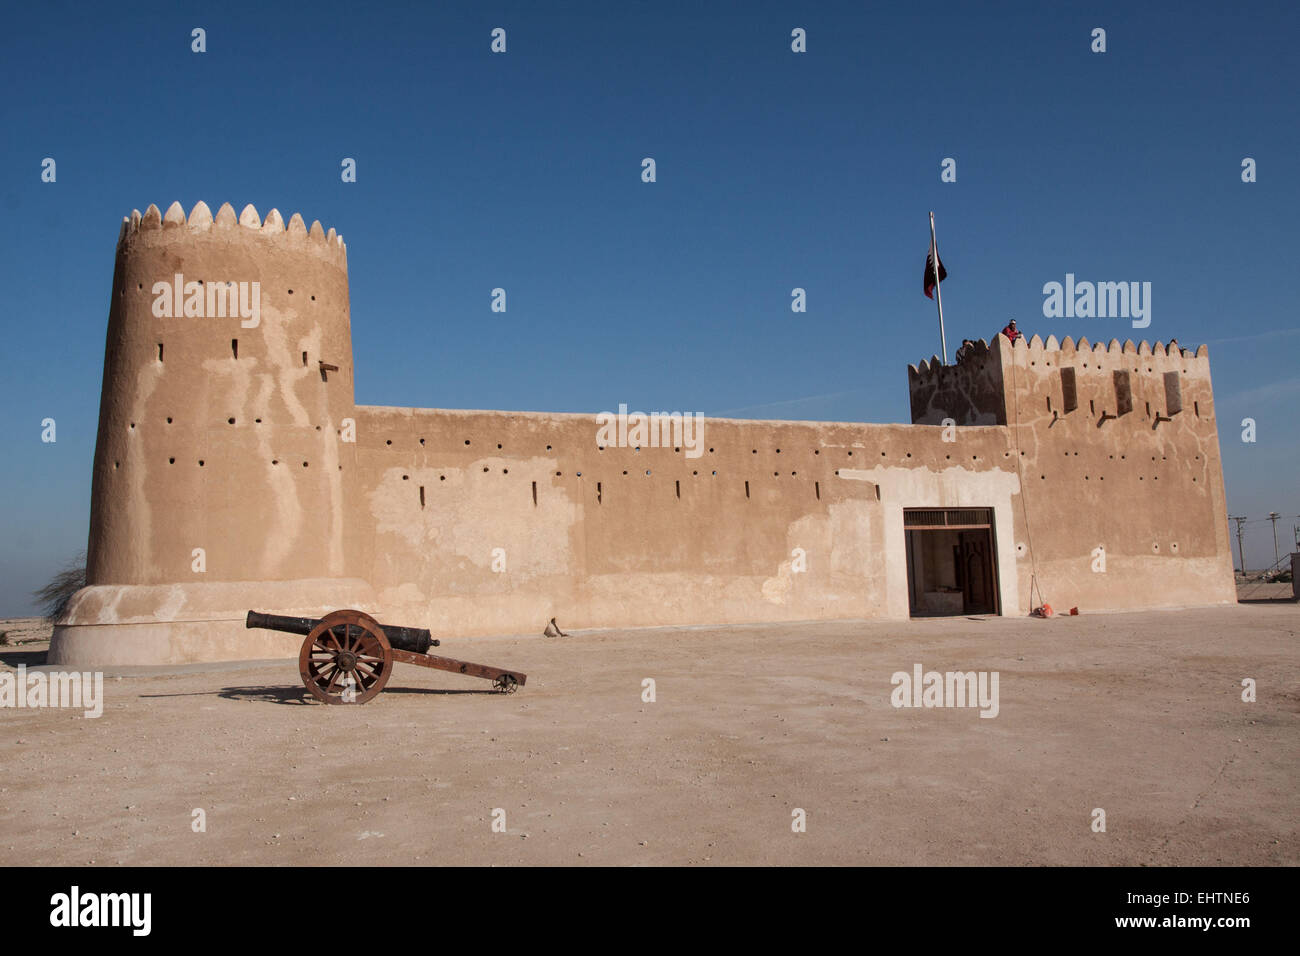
(1273, 516)
(1240, 554)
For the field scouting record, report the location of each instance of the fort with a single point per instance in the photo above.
(245, 445)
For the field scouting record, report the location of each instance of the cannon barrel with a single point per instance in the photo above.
(415, 639)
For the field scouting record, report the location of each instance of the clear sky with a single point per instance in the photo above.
(775, 170)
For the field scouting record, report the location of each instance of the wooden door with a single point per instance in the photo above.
(977, 573)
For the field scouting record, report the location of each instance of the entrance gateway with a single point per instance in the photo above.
(951, 563)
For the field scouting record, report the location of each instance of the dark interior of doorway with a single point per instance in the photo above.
(951, 565)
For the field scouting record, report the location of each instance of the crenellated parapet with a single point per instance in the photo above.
(996, 380)
(1034, 346)
(153, 226)
(969, 392)
(1140, 385)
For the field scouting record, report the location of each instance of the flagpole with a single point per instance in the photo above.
(938, 293)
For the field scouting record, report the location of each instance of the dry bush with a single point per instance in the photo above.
(57, 594)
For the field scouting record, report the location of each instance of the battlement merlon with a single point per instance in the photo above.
(982, 388)
(154, 226)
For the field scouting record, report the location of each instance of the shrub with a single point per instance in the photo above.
(55, 597)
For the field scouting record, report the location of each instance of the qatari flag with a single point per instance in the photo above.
(929, 280)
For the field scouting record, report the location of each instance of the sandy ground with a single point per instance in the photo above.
(25, 630)
(1138, 714)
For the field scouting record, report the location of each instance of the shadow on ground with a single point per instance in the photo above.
(297, 694)
(14, 656)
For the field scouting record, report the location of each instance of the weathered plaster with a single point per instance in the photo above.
(404, 521)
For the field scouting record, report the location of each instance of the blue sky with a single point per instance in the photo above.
(775, 170)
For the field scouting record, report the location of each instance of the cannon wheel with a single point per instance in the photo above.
(345, 644)
(506, 684)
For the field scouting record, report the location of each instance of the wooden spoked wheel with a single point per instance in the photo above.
(346, 659)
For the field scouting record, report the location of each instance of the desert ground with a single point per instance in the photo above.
(1140, 715)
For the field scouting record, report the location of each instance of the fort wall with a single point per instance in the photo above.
(620, 536)
(1118, 450)
(242, 438)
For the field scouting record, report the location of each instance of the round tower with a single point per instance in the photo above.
(224, 454)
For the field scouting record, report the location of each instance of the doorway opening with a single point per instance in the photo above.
(951, 562)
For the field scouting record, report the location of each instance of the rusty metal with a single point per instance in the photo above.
(417, 639)
(348, 656)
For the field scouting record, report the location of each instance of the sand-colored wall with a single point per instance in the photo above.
(215, 436)
(1145, 485)
(620, 537)
(482, 522)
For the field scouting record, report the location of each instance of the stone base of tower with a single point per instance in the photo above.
(130, 625)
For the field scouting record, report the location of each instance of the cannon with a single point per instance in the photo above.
(347, 656)
(414, 639)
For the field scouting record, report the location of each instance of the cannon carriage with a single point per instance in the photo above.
(347, 656)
